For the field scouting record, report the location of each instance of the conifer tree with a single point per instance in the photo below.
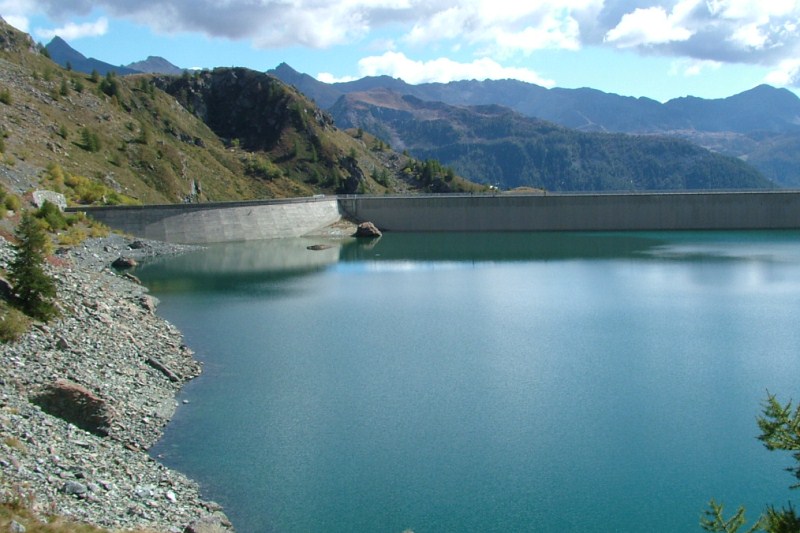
(780, 430)
(34, 289)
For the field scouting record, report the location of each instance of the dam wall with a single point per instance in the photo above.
(219, 222)
(242, 221)
(579, 212)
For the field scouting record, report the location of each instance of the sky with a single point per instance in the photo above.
(659, 49)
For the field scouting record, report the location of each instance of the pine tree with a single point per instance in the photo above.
(34, 289)
(780, 430)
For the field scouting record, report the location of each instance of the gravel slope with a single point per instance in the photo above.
(110, 342)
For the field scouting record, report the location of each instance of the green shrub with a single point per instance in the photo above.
(13, 324)
(74, 235)
(12, 202)
(52, 216)
(5, 97)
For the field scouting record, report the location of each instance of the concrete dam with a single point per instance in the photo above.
(242, 221)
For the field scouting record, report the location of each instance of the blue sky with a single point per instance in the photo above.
(660, 49)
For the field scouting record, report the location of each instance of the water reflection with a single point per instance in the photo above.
(239, 265)
(390, 395)
(253, 264)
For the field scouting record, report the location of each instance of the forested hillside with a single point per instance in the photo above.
(760, 126)
(496, 145)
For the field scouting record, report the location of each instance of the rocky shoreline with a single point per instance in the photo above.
(110, 345)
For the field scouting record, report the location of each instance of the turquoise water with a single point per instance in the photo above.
(484, 382)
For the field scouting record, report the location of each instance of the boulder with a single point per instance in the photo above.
(41, 196)
(77, 405)
(209, 524)
(164, 369)
(367, 230)
(149, 303)
(122, 263)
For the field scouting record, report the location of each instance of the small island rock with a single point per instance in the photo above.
(368, 229)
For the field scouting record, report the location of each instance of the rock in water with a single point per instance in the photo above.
(368, 230)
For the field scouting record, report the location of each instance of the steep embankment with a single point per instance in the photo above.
(119, 361)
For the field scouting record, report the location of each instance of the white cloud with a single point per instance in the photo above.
(443, 70)
(750, 35)
(751, 10)
(18, 12)
(21, 23)
(786, 75)
(552, 32)
(692, 67)
(505, 27)
(327, 77)
(645, 27)
(73, 31)
(762, 32)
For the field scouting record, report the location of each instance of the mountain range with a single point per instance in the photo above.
(760, 126)
(227, 134)
(502, 132)
(510, 150)
(66, 56)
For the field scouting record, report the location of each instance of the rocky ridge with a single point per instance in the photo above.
(110, 343)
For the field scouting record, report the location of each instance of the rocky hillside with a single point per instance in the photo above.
(288, 135)
(112, 139)
(501, 146)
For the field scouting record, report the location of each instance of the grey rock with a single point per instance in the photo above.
(42, 196)
(148, 302)
(208, 524)
(16, 527)
(74, 488)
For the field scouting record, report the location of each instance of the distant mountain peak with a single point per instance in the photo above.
(62, 53)
(156, 65)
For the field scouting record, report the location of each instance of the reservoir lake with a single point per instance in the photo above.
(544, 382)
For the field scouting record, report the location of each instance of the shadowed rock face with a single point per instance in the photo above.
(77, 405)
